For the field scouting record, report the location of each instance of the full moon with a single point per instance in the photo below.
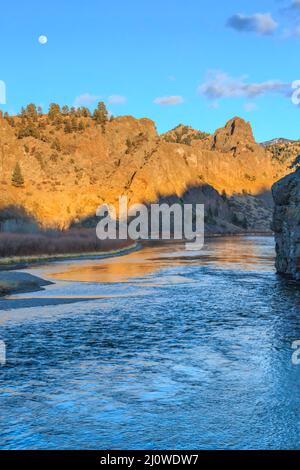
(43, 39)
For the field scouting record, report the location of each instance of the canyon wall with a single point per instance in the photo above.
(68, 173)
(286, 225)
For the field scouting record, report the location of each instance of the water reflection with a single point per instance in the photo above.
(243, 253)
(182, 350)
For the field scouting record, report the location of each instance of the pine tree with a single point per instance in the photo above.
(17, 177)
(244, 223)
(101, 114)
(85, 112)
(31, 111)
(65, 110)
(54, 111)
(74, 123)
(68, 127)
(296, 163)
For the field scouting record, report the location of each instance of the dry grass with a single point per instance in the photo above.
(74, 241)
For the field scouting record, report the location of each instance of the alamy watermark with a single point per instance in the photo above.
(296, 354)
(152, 222)
(2, 353)
(2, 92)
(296, 93)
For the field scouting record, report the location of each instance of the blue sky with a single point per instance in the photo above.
(198, 62)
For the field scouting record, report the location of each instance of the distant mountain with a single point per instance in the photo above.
(279, 140)
(283, 150)
(61, 166)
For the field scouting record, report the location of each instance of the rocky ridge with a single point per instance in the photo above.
(67, 175)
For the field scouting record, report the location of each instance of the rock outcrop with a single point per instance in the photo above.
(237, 134)
(286, 225)
(67, 175)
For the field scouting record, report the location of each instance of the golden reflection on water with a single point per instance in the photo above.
(242, 253)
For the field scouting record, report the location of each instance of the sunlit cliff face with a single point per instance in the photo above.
(68, 175)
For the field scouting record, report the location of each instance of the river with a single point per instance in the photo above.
(157, 349)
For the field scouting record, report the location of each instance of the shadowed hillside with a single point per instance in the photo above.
(61, 166)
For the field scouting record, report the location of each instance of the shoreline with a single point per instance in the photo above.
(24, 262)
(14, 282)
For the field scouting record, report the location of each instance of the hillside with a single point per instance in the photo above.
(279, 140)
(284, 150)
(60, 167)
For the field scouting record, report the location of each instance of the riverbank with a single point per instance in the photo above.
(22, 262)
(12, 281)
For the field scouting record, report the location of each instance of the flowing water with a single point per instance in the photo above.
(157, 349)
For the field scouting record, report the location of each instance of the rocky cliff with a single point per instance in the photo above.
(71, 165)
(286, 224)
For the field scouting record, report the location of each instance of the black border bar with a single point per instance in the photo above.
(147, 459)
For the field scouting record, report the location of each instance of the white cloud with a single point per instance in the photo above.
(249, 107)
(169, 100)
(220, 85)
(85, 99)
(295, 4)
(260, 23)
(116, 99)
(214, 104)
(293, 19)
(292, 32)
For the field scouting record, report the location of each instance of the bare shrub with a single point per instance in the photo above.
(54, 242)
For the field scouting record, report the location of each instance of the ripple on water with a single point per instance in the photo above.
(156, 349)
